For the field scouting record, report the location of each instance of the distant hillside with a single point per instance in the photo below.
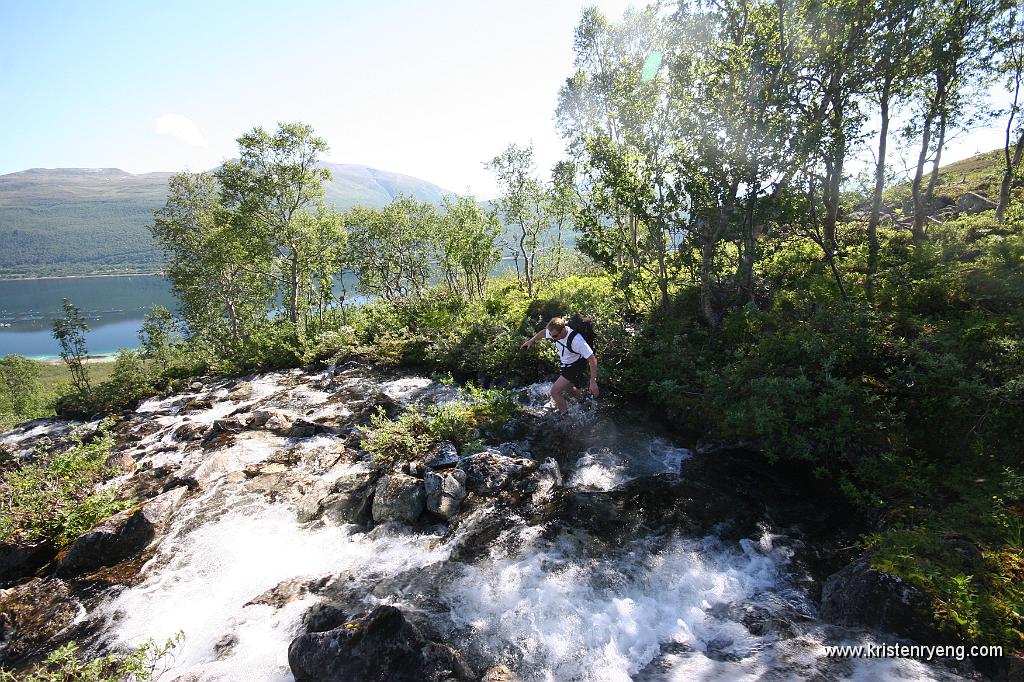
(67, 221)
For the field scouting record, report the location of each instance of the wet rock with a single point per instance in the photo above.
(398, 497)
(975, 203)
(241, 391)
(490, 472)
(288, 591)
(323, 617)
(381, 646)
(275, 421)
(195, 405)
(549, 478)
(656, 504)
(121, 536)
(18, 560)
(304, 429)
(195, 386)
(121, 462)
(445, 491)
(499, 673)
(863, 596)
(225, 646)
(190, 431)
(290, 486)
(31, 614)
(444, 456)
(350, 499)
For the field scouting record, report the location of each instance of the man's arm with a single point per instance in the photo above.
(593, 374)
(533, 339)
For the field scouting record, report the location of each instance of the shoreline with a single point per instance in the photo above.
(7, 278)
(88, 360)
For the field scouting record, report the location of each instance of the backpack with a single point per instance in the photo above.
(584, 326)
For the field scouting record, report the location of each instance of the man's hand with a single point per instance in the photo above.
(527, 344)
(594, 390)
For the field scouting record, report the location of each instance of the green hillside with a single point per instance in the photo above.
(68, 221)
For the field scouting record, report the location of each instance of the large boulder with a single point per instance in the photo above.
(20, 559)
(398, 497)
(381, 646)
(350, 499)
(32, 613)
(445, 491)
(121, 536)
(975, 203)
(490, 472)
(863, 596)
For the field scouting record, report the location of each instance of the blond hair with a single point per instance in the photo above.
(557, 324)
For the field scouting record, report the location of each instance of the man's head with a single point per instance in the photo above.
(557, 328)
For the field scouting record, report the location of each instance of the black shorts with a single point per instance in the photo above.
(574, 372)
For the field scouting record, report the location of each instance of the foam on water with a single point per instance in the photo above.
(206, 571)
(605, 468)
(555, 614)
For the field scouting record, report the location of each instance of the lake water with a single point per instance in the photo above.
(113, 307)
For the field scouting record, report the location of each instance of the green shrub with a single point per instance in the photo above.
(66, 665)
(53, 497)
(415, 433)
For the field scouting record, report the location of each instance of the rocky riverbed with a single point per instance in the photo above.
(596, 549)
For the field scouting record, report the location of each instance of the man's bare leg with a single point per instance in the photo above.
(558, 390)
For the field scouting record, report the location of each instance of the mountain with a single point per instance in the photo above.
(66, 221)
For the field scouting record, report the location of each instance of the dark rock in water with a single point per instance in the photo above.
(398, 497)
(225, 646)
(657, 503)
(32, 613)
(323, 617)
(445, 491)
(18, 560)
(121, 536)
(863, 596)
(490, 472)
(381, 646)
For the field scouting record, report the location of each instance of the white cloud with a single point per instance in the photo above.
(182, 128)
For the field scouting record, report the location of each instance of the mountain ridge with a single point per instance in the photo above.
(76, 221)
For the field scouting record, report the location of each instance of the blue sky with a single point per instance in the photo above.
(430, 89)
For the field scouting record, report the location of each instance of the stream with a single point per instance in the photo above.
(248, 554)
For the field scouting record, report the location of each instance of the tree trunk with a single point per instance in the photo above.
(293, 284)
(926, 138)
(1010, 165)
(876, 198)
(1008, 173)
(748, 254)
(934, 179)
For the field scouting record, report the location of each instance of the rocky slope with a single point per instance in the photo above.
(594, 549)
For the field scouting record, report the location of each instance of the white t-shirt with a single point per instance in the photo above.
(580, 347)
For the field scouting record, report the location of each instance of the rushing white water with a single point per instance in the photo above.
(206, 572)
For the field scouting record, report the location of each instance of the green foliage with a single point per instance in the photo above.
(415, 433)
(52, 498)
(977, 596)
(20, 390)
(69, 331)
(66, 664)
